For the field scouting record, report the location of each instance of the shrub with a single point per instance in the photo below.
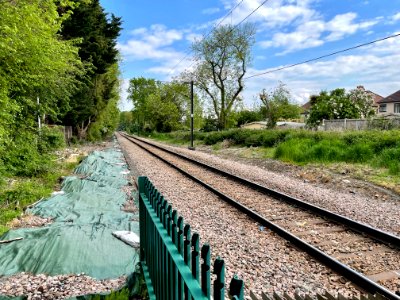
(51, 138)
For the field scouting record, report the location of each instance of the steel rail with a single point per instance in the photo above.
(372, 232)
(355, 277)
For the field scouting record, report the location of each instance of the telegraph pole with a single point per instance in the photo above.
(191, 147)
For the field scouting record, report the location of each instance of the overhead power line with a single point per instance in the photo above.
(323, 56)
(238, 24)
(215, 26)
(248, 16)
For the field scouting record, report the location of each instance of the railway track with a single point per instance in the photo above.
(368, 257)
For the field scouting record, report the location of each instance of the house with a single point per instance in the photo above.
(305, 110)
(390, 105)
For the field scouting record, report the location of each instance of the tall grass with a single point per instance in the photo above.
(375, 148)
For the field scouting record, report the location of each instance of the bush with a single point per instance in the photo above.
(51, 138)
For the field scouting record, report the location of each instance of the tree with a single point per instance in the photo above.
(153, 101)
(34, 63)
(363, 101)
(222, 61)
(333, 105)
(97, 34)
(277, 105)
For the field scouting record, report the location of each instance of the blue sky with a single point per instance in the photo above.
(158, 34)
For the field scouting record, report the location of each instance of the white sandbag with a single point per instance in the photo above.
(128, 237)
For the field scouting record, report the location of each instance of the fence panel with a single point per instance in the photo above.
(169, 254)
(361, 124)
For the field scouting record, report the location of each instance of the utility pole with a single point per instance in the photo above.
(191, 147)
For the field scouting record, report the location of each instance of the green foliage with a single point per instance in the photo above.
(338, 104)
(375, 148)
(390, 158)
(51, 138)
(161, 107)
(98, 34)
(23, 157)
(19, 192)
(34, 62)
(93, 106)
(223, 58)
(370, 147)
(210, 124)
(247, 116)
(277, 105)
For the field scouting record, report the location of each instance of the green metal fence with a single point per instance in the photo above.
(170, 254)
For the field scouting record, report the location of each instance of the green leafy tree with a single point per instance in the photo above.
(363, 101)
(277, 105)
(222, 61)
(97, 34)
(333, 105)
(153, 100)
(139, 90)
(34, 63)
(161, 115)
(126, 121)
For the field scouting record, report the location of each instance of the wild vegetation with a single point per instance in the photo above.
(378, 149)
(58, 66)
(339, 104)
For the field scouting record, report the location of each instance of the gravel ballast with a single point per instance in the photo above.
(382, 214)
(41, 286)
(265, 261)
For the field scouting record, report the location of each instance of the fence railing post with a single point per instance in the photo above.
(236, 288)
(205, 270)
(170, 254)
(219, 282)
(187, 254)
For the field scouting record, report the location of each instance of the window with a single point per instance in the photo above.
(397, 108)
(382, 108)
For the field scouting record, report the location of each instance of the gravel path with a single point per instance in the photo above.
(265, 261)
(370, 210)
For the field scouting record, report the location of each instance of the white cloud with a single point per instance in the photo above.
(376, 67)
(275, 13)
(344, 24)
(307, 35)
(192, 37)
(155, 44)
(210, 11)
(396, 17)
(316, 32)
(158, 35)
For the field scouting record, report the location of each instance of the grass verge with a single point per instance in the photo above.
(378, 150)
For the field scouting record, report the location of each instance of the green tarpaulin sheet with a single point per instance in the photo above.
(79, 240)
